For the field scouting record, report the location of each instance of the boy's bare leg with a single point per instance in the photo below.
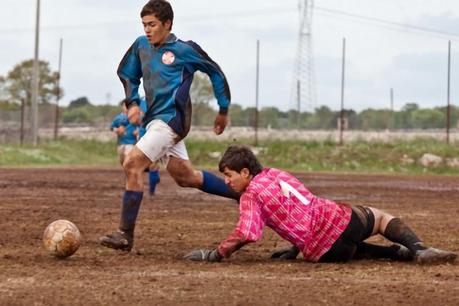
(397, 231)
(123, 238)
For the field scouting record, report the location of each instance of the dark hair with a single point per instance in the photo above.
(161, 9)
(238, 157)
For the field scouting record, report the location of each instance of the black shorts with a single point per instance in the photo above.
(360, 227)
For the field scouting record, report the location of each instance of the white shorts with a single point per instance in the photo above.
(158, 143)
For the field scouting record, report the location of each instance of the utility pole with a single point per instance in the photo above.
(35, 79)
(257, 81)
(21, 136)
(392, 99)
(58, 93)
(448, 108)
(341, 119)
(391, 123)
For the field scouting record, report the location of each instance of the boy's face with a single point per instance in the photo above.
(155, 30)
(237, 181)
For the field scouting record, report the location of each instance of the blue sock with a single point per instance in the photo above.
(154, 179)
(215, 185)
(130, 210)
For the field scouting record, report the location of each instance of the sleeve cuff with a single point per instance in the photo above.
(223, 111)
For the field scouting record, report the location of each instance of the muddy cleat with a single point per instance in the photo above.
(118, 240)
(433, 255)
(403, 253)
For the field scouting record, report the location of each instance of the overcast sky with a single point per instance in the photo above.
(380, 53)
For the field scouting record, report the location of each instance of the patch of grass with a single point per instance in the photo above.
(312, 155)
(61, 152)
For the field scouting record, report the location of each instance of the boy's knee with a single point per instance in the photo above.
(131, 167)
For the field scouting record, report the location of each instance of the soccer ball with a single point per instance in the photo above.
(61, 238)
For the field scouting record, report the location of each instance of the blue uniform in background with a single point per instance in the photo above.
(128, 137)
(167, 73)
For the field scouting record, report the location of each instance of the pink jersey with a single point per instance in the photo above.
(280, 201)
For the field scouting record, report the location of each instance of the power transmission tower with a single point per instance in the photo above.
(303, 93)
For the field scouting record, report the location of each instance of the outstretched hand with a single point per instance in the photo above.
(220, 123)
(203, 255)
(289, 254)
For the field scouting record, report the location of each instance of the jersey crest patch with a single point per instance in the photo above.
(168, 58)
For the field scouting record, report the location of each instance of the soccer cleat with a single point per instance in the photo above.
(433, 255)
(118, 240)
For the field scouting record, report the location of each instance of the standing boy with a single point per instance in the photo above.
(166, 66)
(126, 134)
(321, 229)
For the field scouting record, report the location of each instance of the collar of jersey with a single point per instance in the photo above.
(170, 39)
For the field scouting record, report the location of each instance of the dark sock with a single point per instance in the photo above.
(398, 231)
(368, 250)
(216, 185)
(129, 210)
(153, 179)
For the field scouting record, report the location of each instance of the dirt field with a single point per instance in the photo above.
(178, 220)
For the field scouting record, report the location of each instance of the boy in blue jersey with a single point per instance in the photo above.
(126, 133)
(166, 66)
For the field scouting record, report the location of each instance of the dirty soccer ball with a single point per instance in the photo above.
(61, 238)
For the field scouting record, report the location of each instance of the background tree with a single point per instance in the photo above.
(375, 119)
(3, 91)
(19, 83)
(428, 119)
(80, 102)
(201, 93)
(323, 118)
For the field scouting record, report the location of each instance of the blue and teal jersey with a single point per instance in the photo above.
(143, 109)
(128, 137)
(167, 73)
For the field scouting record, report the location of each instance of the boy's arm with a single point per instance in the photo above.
(130, 72)
(199, 59)
(249, 229)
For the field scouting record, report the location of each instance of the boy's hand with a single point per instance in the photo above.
(203, 255)
(289, 254)
(120, 130)
(220, 123)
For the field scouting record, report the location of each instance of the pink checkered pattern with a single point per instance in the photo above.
(312, 227)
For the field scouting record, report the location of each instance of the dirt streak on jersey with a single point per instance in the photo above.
(167, 73)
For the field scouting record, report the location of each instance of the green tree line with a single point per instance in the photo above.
(15, 92)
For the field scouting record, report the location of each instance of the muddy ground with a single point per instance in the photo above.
(178, 220)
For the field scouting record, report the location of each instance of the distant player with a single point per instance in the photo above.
(126, 133)
(165, 65)
(323, 230)
(153, 169)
